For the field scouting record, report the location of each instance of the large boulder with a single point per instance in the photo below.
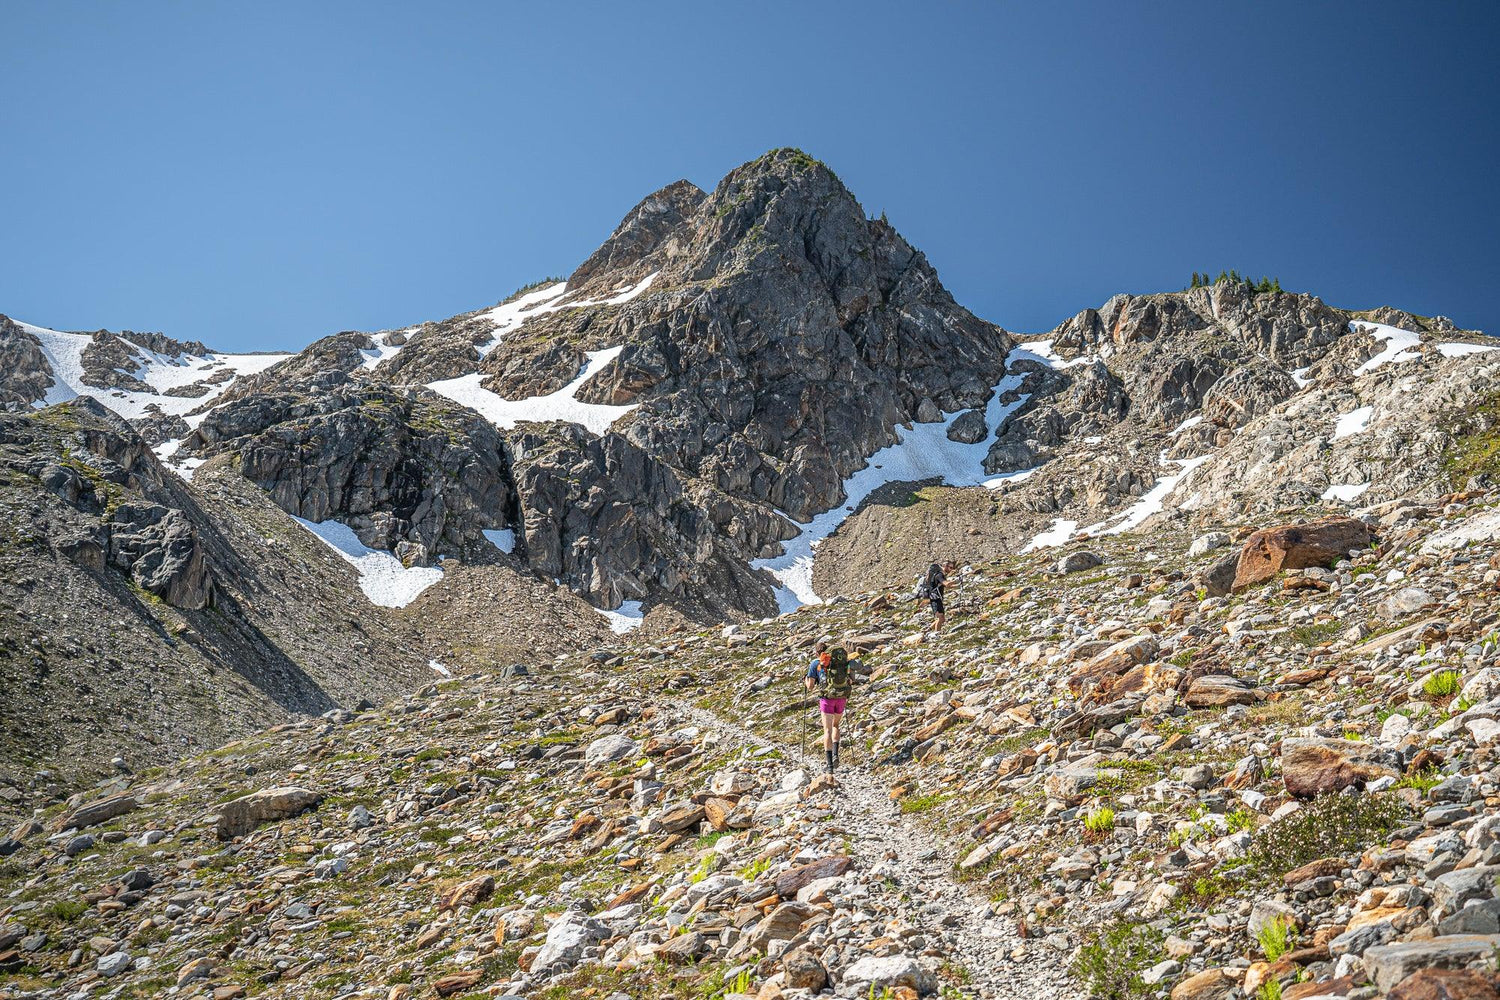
(567, 938)
(238, 817)
(1388, 965)
(96, 812)
(158, 548)
(1297, 546)
(609, 749)
(1311, 766)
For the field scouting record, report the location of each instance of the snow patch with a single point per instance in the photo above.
(64, 352)
(1187, 424)
(1345, 492)
(439, 669)
(1058, 534)
(1299, 375)
(628, 293)
(1400, 345)
(624, 618)
(517, 311)
(503, 539)
(1151, 502)
(1353, 422)
(384, 349)
(382, 577)
(922, 451)
(1041, 350)
(1460, 350)
(560, 405)
(550, 299)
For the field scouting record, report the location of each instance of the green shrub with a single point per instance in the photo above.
(1269, 990)
(68, 910)
(1327, 826)
(920, 803)
(1240, 819)
(1422, 781)
(1277, 937)
(1111, 964)
(1099, 822)
(1443, 684)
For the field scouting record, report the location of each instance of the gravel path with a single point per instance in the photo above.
(919, 865)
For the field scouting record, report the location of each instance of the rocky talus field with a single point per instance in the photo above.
(1099, 779)
(465, 659)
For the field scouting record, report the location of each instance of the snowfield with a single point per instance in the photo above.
(381, 576)
(624, 618)
(64, 352)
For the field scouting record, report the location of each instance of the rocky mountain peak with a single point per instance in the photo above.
(645, 228)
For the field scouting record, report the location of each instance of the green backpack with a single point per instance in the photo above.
(836, 675)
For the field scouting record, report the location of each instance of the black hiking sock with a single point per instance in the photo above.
(835, 753)
(828, 752)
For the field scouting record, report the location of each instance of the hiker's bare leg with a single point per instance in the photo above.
(830, 725)
(835, 721)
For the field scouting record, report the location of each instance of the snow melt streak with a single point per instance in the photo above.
(560, 405)
(922, 452)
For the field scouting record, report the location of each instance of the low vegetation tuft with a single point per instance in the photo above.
(1110, 965)
(1325, 827)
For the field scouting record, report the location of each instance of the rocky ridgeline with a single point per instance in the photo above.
(142, 618)
(782, 338)
(1100, 766)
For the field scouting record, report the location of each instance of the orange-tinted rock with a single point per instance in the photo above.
(1298, 546)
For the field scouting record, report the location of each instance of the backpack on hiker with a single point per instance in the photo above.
(931, 584)
(836, 683)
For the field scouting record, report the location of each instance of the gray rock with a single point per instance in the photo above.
(1451, 891)
(238, 817)
(1076, 562)
(608, 749)
(113, 964)
(1406, 601)
(893, 971)
(969, 427)
(1388, 964)
(566, 940)
(77, 845)
(1206, 543)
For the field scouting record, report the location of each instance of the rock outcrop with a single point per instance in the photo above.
(25, 373)
(404, 468)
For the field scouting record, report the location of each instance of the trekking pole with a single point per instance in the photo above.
(802, 740)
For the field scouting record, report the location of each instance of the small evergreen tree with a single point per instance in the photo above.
(1195, 280)
(1276, 285)
(1221, 278)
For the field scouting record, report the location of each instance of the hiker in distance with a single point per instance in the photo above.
(829, 673)
(931, 589)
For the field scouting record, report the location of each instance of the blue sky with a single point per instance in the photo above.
(258, 175)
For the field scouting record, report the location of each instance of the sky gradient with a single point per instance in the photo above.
(257, 176)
